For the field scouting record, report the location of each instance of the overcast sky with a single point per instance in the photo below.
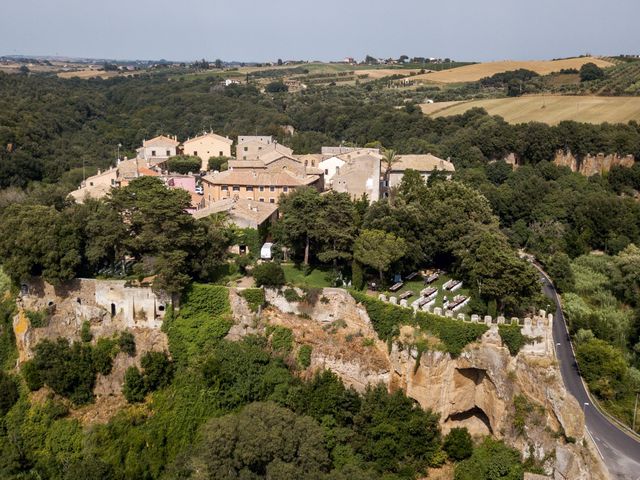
(262, 30)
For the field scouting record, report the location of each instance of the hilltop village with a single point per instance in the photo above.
(248, 185)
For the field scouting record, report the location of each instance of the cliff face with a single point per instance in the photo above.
(592, 164)
(478, 390)
(79, 301)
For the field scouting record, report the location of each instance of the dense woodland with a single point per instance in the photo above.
(208, 389)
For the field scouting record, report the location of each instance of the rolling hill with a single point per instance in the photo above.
(472, 73)
(550, 109)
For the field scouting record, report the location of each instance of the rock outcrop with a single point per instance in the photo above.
(592, 164)
(478, 389)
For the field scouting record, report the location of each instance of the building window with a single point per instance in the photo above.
(244, 157)
(249, 189)
(168, 153)
(153, 153)
(259, 148)
(262, 199)
(246, 149)
(326, 171)
(272, 200)
(272, 189)
(219, 154)
(261, 188)
(195, 153)
(285, 189)
(236, 188)
(313, 163)
(224, 187)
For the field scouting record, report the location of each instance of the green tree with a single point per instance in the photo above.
(218, 163)
(559, 269)
(590, 71)
(300, 223)
(184, 164)
(412, 187)
(263, 440)
(336, 221)
(389, 158)
(602, 366)
(493, 460)
(276, 87)
(378, 250)
(458, 444)
(394, 433)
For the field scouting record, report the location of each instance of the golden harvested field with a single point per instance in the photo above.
(550, 109)
(376, 73)
(472, 73)
(84, 74)
(432, 108)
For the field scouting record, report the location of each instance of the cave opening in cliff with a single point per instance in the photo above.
(474, 419)
(476, 375)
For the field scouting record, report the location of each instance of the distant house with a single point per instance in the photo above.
(253, 147)
(333, 163)
(96, 186)
(206, 146)
(359, 176)
(158, 149)
(424, 164)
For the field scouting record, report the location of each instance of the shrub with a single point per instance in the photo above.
(281, 339)
(37, 319)
(85, 332)
(458, 444)
(254, 297)
(202, 321)
(158, 370)
(134, 389)
(242, 262)
(291, 295)
(387, 319)
(127, 343)
(357, 276)
(512, 338)
(102, 354)
(269, 275)
(69, 370)
(304, 356)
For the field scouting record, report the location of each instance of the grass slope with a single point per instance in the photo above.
(550, 109)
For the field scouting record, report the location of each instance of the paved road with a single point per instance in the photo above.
(620, 451)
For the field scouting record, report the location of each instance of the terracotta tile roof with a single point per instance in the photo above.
(160, 141)
(421, 163)
(256, 212)
(246, 164)
(210, 134)
(256, 177)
